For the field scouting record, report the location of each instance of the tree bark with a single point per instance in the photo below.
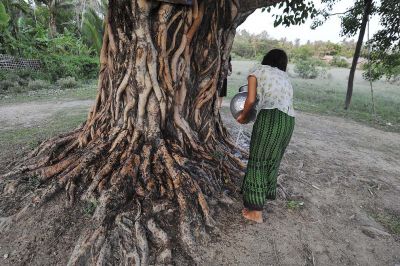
(350, 84)
(52, 19)
(153, 151)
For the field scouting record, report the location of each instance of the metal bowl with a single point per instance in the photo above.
(237, 105)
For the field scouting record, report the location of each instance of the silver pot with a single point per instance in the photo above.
(243, 88)
(237, 105)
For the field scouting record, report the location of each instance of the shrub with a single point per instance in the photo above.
(77, 66)
(306, 69)
(22, 76)
(323, 73)
(319, 62)
(7, 85)
(30, 74)
(38, 84)
(16, 89)
(12, 82)
(339, 62)
(394, 80)
(16, 81)
(304, 52)
(67, 83)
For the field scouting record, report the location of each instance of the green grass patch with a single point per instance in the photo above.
(33, 182)
(83, 92)
(90, 207)
(217, 155)
(390, 220)
(29, 138)
(294, 204)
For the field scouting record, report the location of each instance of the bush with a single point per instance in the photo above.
(38, 84)
(77, 66)
(22, 75)
(304, 52)
(339, 62)
(15, 81)
(67, 83)
(395, 80)
(323, 73)
(306, 69)
(7, 86)
(12, 82)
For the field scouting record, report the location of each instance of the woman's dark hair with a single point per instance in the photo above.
(276, 58)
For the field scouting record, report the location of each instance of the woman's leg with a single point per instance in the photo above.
(287, 126)
(271, 134)
(253, 185)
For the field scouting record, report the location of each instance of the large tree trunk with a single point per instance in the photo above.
(350, 84)
(153, 151)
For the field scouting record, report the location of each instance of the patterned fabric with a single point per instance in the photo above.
(274, 89)
(271, 135)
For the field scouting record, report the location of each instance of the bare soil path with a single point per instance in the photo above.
(34, 113)
(342, 181)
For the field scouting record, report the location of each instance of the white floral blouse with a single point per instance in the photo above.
(274, 89)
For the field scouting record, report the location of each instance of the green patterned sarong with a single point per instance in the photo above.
(271, 135)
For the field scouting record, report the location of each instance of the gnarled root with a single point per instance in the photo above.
(153, 153)
(143, 196)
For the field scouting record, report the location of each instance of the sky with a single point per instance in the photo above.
(330, 31)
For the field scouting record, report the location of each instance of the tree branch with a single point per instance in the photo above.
(340, 13)
(249, 5)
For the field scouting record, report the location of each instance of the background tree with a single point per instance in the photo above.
(93, 25)
(350, 24)
(385, 43)
(4, 17)
(27, 35)
(16, 11)
(56, 8)
(385, 55)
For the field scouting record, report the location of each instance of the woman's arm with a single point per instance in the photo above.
(250, 100)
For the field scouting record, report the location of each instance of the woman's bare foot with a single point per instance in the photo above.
(255, 216)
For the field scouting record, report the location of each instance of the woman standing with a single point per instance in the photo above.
(271, 131)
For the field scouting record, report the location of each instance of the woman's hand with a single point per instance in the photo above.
(250, 100)
(241, 119)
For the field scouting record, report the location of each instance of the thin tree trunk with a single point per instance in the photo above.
(52, 23)
(150, 153)
(367, 12)
(82, 15)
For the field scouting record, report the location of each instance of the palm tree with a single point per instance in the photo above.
(12, 14)
(54, 7)
(15, 9)
(93, 26)
(4, 17)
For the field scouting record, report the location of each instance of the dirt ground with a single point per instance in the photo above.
(31, 114)
(342, 181)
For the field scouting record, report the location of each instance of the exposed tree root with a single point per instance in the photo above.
(141, 199)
